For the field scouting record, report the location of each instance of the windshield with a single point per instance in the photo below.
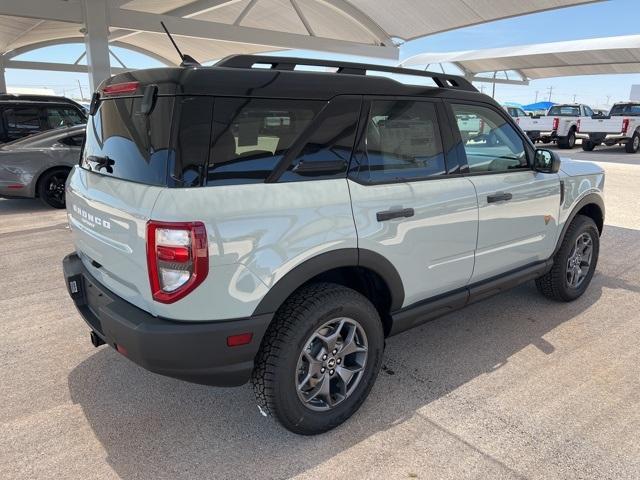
(564, 111)
(625, 109)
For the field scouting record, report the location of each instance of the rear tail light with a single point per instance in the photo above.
(578, 125)
(121, 88)
(177, 258)
(625, 125)
(556, 123)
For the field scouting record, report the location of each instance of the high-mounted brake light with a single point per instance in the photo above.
(556, 123)
(177, 258)
(121, 88)
(625, 125)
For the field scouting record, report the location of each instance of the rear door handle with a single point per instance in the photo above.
(499, 197)
(400, 213)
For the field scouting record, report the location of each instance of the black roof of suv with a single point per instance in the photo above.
(280, 77)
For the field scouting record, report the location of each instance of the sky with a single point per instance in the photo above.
(610, 18)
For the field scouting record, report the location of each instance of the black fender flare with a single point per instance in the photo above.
(344, 257)
(590, 198)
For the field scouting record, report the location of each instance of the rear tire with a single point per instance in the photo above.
(51, 187)
(569, 141)
(575, 262)
(633, 145)
(588, 145)
(301, 354)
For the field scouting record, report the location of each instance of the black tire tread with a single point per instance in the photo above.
(299, 305)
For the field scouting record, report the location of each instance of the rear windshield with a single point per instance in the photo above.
(125, 144)
(629, 110)
(564, 111)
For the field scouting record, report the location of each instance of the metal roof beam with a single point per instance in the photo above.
(55, 67)
(131, 20)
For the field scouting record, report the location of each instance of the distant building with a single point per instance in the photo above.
(634, 96)
(30, 90)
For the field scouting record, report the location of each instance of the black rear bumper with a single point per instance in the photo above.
(196, 351)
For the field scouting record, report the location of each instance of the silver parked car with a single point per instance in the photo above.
(38, 165)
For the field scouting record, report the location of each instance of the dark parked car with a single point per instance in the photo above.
(22, 115)
(38, 165)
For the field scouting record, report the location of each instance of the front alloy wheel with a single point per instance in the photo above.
(579, 262)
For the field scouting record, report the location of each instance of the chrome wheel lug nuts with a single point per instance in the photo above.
(322, 370)
(339, 361)
(335, 350)
(324, 357)
(331, 372)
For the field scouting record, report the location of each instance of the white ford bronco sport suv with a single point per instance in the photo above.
(237, 222)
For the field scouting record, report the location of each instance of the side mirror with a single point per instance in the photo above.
(546, 161)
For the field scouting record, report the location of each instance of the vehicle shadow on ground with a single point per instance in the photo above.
(23, 205)
(154, 427)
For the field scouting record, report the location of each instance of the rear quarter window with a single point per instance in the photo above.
(251, 136)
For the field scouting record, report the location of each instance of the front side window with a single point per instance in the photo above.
(251, 136)
(63, 117)
(403, 141)
(490, 143)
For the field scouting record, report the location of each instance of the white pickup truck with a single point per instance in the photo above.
(559, 125)
(621, 126)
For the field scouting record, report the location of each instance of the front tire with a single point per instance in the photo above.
(51, 187)
(319, 358)
(575, 262)
(633, 145)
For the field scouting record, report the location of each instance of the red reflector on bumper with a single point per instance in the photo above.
(15, 186)
(122, 350)
(240, 339)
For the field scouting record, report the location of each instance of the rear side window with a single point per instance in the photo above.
(327, 151)
(73, 140)
(126, 144)
(22, 121)
(403, 141)
(490, 143)
(251, 136)
(57, 117)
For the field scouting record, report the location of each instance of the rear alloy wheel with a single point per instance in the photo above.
(569, 141)
(51, 187)
(633, 145)
(575, 262)
(319, 358)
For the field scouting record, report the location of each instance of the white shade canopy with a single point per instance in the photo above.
(594, 56)
(211, 29)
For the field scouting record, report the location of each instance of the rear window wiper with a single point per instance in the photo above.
(102, 162)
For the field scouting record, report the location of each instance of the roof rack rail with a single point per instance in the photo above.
(442, 80)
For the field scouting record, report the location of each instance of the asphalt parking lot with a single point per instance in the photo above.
(513, 387)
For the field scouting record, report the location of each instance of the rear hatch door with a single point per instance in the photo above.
(110, 196)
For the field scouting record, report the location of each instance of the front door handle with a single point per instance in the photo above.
(499, 197)
(400, 213)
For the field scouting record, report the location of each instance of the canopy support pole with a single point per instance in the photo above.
(96, 40)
